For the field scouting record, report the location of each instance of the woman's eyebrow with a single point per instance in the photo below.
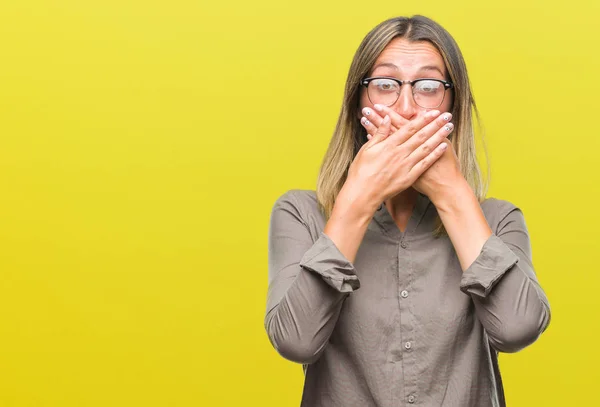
(431, 68)
(386, 65)
(421, 69)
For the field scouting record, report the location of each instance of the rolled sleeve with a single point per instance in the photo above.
(326, 260)
(494, 260)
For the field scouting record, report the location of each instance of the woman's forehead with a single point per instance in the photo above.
(407, 57)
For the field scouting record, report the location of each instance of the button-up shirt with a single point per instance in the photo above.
(402, 325)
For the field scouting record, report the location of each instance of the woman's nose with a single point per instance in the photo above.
(405, 106)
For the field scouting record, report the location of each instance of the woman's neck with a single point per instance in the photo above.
(401, 207)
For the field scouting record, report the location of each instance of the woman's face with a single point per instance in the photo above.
(408, 61)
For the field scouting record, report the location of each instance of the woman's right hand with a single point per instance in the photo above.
(390, 163)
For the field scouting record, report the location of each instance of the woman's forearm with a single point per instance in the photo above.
(465, 223)
(498, 272)
(349, 220)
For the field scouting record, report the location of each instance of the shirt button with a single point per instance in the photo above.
(404, 294)
(411, 399)
(407, 345)
(404, 245)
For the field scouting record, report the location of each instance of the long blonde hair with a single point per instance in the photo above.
(350, 135)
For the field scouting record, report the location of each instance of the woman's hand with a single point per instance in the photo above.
(441, 177)
(390, 163)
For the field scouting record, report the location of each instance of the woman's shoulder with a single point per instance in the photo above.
(301, 200)
(301, 206)
(496, 210)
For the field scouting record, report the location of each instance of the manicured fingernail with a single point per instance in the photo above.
(447, 117)
(386, 119)
(448, 127)
(364, 121)
(366, 111)
(433, 113)
(443, 146)
(378, 107)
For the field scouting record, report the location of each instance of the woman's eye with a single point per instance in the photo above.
(427, 86)
(386, 85)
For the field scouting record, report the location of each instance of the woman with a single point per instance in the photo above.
(397, 282)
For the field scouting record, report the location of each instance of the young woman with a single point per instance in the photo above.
(396, 282)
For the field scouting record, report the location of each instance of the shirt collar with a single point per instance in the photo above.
(383, 219)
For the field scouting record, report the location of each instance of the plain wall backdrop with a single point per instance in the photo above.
(143, 144)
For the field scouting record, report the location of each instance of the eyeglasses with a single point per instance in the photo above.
(427, 93)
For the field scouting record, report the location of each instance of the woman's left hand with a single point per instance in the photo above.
(442, 177)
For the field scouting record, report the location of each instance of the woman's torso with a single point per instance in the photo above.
(409, 335)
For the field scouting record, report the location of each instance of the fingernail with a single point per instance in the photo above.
(447, 117)
(443, 146)
(378, 107)
(366, 111)
(433, 113)
(364, 121)
(386, 119)
(448, 127)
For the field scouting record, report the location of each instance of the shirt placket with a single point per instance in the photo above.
(407, 327)
(403, 350)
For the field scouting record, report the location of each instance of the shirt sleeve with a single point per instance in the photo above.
(308, 282)
(509, 302)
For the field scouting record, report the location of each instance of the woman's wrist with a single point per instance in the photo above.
(446, 198)
(357, 201)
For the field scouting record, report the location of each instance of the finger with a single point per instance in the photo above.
(428, 131)
(418, 169)
(372, 129)
(420, 125)
(369, 127)
(431, 144)
(413, 126)
(382, 131)
(397, 120)
(375, 118)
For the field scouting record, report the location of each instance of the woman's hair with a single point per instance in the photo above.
(350, 135)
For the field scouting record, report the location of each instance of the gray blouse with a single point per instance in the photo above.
(403, 325)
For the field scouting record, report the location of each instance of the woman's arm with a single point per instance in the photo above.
(498, 271)
(308, 281)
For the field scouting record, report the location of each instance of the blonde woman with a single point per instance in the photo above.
(397, 283)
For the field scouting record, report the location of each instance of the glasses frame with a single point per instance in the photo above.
(447, 85)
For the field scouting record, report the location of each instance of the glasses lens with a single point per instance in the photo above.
(383, 91)
(428, 93)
